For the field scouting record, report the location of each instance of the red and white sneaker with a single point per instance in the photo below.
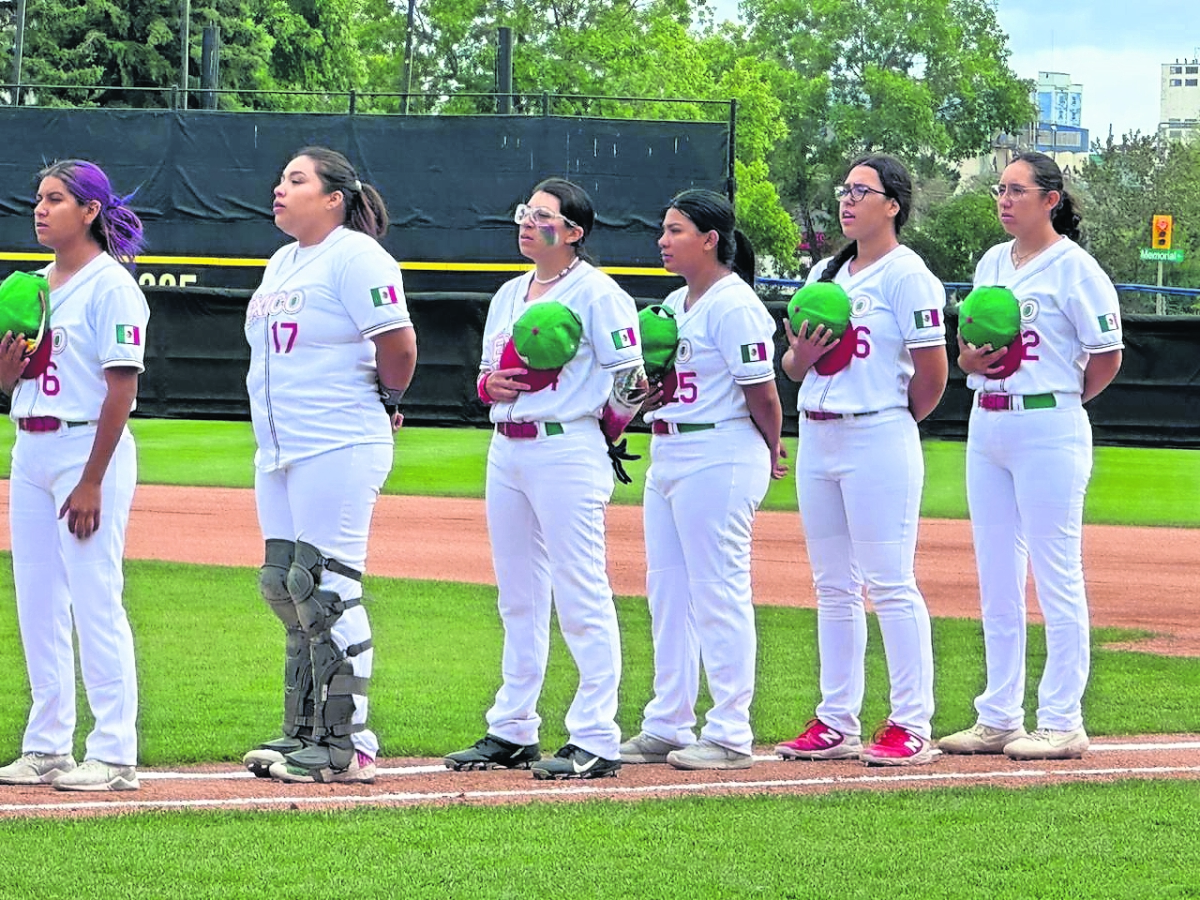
(895, 745)
(819, 741)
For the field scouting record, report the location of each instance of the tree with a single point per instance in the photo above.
(315, 47)
(953, 234)
(925, 80)
(135, 46)
(1122, 188)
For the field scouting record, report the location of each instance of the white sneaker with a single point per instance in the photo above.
(94, 775)
(980, 738)
(37, 768)
(646, 748)
(704, 754)
(360, 771)
(1046, 743)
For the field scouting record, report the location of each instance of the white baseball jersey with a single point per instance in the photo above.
(1069, 310)
(896, 306)
(312, 378)
(726, 342)
(611, 342)
(99, 321)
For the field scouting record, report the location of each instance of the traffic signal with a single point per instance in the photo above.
(1160, 232)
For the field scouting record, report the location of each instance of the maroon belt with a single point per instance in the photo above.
(527, 429)
(818, 416)
(38, 424)
(518, 429)
(1010, 401)
(658, 426)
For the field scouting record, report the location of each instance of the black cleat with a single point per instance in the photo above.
(575, 762)
(491, 752)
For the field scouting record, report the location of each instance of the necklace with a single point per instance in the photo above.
(555, 278)
(1019, 259)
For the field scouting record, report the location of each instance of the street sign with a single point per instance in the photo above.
(1175, 256)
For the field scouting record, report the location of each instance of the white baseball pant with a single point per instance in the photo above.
(859, 483)
(328, 501)
(546, 498)
(58, 578)
(702, 492)
(1027, 475)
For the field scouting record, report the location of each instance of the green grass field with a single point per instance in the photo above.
(209, 669)
(1130, 486)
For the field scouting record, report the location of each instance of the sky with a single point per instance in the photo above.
(1114, 48)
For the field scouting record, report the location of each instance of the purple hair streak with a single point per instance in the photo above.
(117, 229)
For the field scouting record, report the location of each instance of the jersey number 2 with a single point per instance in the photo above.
(287, 343)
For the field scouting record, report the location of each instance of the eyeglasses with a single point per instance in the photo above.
(1014, 191)
(856, 192)
(540, 215)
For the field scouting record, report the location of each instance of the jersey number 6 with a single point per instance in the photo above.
(50, 383)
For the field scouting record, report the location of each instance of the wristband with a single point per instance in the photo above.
(481, 389)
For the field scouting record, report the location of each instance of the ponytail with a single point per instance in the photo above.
(366, 211)
(743, 262)
(1065, 218)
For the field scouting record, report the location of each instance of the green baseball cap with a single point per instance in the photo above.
(660, 338)
(989, 315)
(25, 307)
(820, 303)
(547, 335)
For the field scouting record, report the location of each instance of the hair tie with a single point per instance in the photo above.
(356, 186)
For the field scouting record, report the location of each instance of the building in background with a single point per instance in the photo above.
(1179, 106)
(1059, 127)
(1058, 131)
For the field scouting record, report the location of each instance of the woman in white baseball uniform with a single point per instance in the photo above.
(332, 350)
(74, 469)
(549, 481)
(860, 471)
(715, 448)
(1029, 459)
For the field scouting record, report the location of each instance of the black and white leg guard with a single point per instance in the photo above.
(334, 681)
(297, 669)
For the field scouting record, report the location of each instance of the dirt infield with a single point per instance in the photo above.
(1137, 578)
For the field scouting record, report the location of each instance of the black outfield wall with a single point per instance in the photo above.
(196, 359)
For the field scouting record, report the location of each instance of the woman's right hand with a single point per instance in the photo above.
(656, 397)
(978, 360)
(502, 385)
(12, 361)
(805, 348)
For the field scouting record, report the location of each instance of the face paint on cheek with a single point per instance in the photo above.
(548, 234)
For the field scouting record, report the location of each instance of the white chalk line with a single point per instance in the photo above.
(607, 790)
(597, 790)
(1146, 747)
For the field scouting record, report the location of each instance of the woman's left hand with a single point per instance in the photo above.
(779, 468)
(397, 421)
(82, 509)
